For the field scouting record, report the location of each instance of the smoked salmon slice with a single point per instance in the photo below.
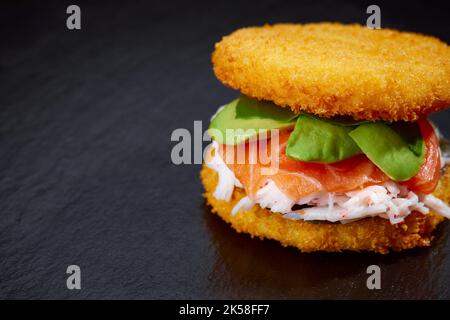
(428, 177)
(294, 178)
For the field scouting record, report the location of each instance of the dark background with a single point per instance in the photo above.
(85, 171)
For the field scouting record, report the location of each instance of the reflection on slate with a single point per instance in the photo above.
(251, 268)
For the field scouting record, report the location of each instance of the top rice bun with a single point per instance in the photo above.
(330, 69)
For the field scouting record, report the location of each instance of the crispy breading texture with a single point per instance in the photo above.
(369, 234)
(332, 69)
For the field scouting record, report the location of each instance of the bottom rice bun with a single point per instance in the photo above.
(329, 146)
(370, 234)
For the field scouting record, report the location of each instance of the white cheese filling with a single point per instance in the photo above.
(389, 200)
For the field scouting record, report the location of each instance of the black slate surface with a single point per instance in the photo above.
(85, 170)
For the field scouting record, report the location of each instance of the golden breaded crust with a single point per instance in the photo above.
(369, 234)
(332, 69)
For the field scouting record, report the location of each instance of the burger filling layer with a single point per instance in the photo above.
(320, 169)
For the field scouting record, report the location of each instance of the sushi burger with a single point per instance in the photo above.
(340, 111)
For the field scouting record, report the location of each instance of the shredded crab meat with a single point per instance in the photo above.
(436, 205)
(389, 200)
(270, 196)
(445, 161)
(244, 204)
(227, 179)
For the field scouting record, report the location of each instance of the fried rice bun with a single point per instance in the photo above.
(331, 69)
(368, 234)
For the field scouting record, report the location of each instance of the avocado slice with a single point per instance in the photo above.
(245, 118)
(398, 150)
(319, 140)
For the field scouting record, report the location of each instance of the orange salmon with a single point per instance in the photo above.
(297, 179)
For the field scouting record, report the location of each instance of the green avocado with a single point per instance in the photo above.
(398, 150)
(319, 140)
(245, 118)
(248, 108)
